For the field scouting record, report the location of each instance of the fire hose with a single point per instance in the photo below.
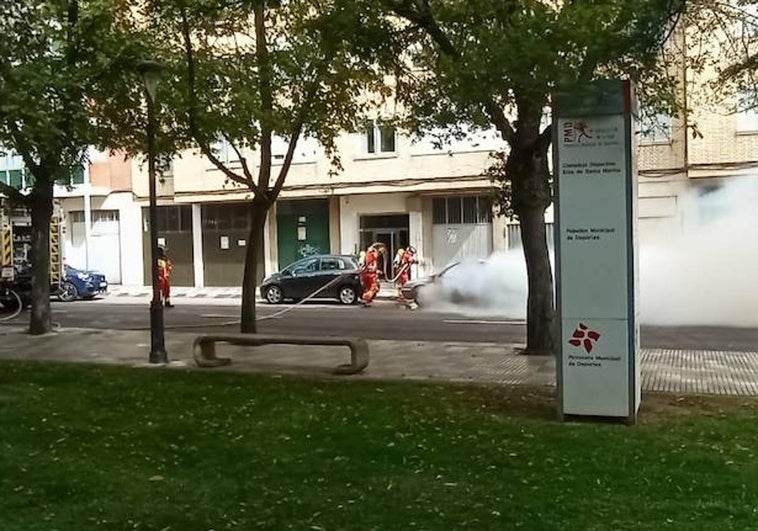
(275, 315)
(402, 269)
(226, 323)
(17, 311)
(309, 297)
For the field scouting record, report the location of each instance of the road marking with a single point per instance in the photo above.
(482, 322)
(218, 315)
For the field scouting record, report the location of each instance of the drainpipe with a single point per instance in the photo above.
(86, 188)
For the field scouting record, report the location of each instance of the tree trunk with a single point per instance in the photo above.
(41, 204)
(253, 266)
(527, 168)
(540, 308)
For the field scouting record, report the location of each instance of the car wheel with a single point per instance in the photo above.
(68, 292)
(348, 295)
(11, 305)
(274, 295)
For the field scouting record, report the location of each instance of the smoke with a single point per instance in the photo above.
(705, 275)
(704, 272)
(495, 287)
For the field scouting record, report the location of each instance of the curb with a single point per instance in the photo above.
(197, 293)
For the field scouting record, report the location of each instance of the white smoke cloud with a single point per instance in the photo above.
(495, 287)
(705, 274)
(708, 274)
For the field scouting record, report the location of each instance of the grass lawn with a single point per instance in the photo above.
(85, 447)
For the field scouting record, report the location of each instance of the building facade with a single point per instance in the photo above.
(392, 190)
(101, 220)
(402, 191)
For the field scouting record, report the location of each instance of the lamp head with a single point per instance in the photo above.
(151, 73)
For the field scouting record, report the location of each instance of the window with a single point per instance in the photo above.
(514, 236)
(101, 216)
(16, 178)
(4, 176)
(387, 138)
(333, 264)
(370, 139)
(484, 209)
(170, 218)
(381, 137)
(224, 151)
(226, 217)
(747, 112)
(654, 129)
(461, 209)
(469, 210)
(439, 211)
(77, 176)
(98, 216)
(164, 165)
(454, 209)
(305, 149)
(306, 266)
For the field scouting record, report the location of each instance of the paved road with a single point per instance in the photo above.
(383, 321)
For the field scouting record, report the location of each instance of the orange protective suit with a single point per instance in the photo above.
(165, 266)
(407, 259)
(370, 275)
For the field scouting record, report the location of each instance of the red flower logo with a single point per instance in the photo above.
(585, 337)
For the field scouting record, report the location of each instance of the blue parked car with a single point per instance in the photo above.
(81, 285)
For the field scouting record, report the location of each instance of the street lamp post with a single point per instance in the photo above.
(151, 73)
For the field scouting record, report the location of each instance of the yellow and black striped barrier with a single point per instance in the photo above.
(6, 245)
(56, 271)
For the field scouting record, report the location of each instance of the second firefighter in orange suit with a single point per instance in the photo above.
(403, 262)
(370, 275)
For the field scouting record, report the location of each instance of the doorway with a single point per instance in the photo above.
(391, 230)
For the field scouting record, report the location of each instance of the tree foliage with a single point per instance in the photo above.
(55, 57)
(248, 73)
(494, 63)
(722, 49)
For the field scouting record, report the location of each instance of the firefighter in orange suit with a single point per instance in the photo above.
(370, 274)
(165, 266)
(404, 260)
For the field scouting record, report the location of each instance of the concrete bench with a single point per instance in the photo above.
(204, 348)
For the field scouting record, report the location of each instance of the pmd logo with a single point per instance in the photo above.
(575, 131)
(584, 337)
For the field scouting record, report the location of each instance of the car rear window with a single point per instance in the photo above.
(335, 264)
(350, 263)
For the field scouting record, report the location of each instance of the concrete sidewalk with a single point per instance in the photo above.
(677, 371)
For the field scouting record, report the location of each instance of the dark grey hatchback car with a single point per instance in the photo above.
(340, 273)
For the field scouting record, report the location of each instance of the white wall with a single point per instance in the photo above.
(130, 234)
(456, 242)
(130, 217)
(353, 206)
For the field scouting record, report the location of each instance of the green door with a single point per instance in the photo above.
(302, 229)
